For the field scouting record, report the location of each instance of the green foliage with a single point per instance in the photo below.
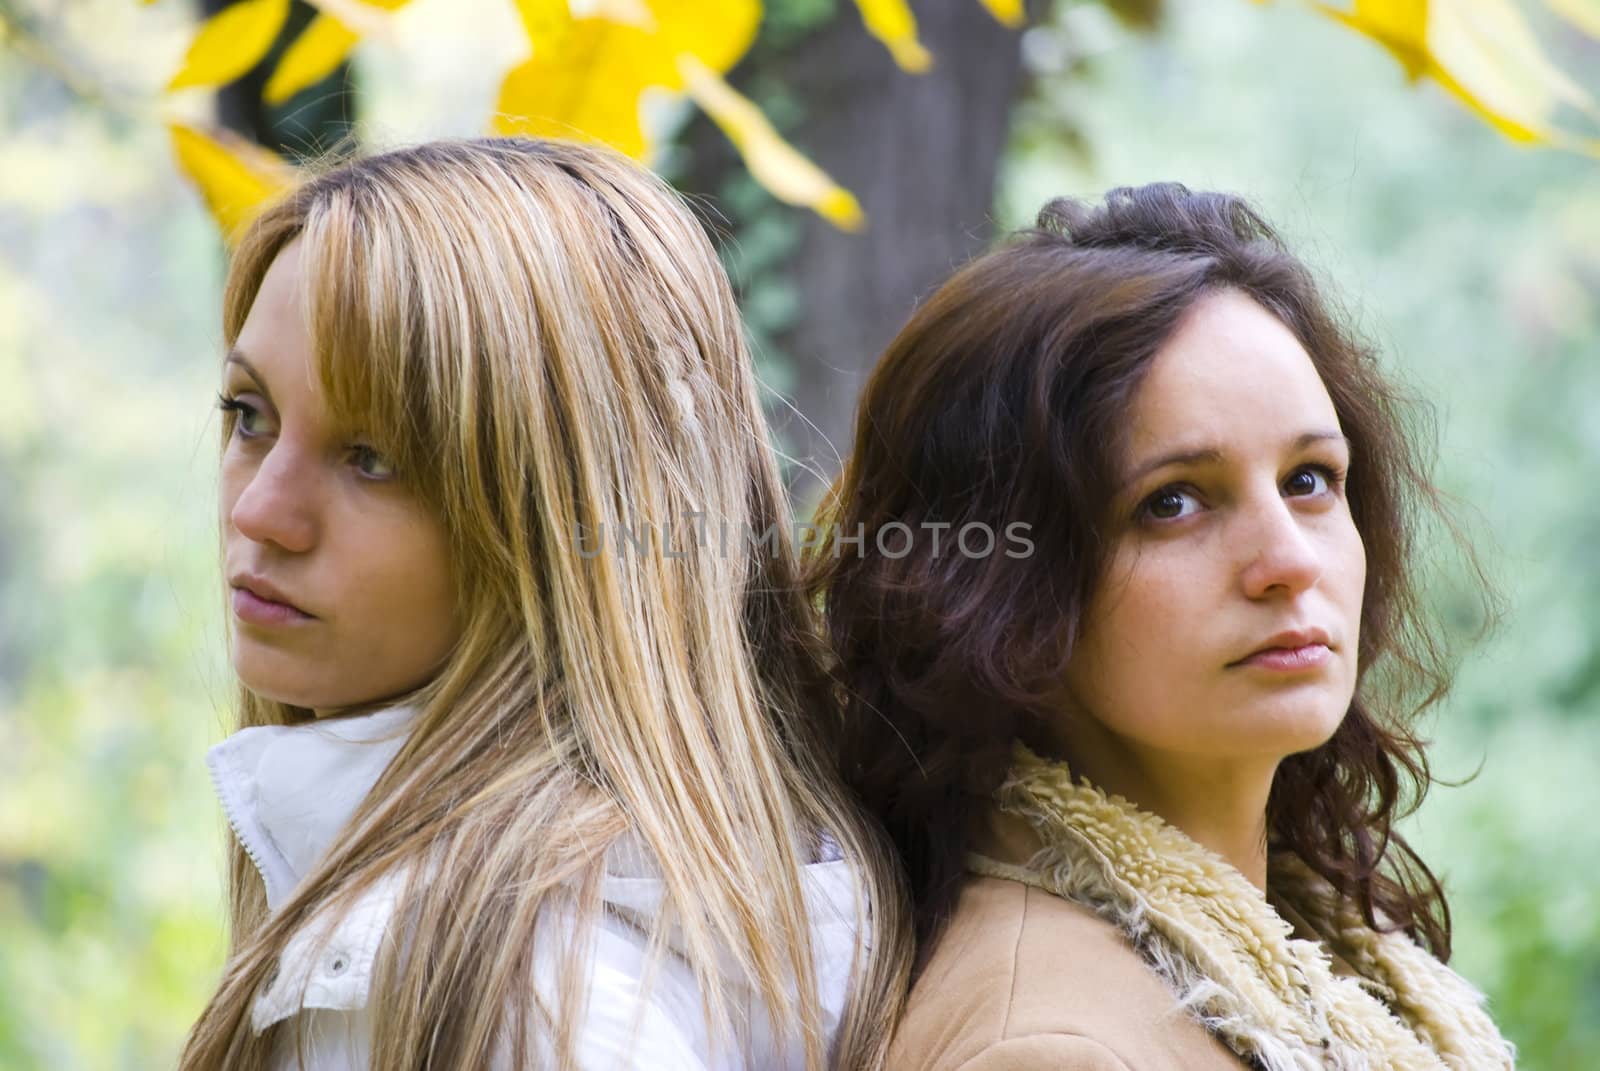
(1472, 264)
(788, 20)
(762, 232)
(110, 660)
(756, 259)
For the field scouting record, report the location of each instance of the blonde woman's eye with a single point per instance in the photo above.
(370, 463)
(242, 413)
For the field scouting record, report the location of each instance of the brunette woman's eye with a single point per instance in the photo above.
(370, 463)
(1312, 480)
(1168, 504)
(242, 413)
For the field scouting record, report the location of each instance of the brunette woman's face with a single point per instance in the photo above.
(341, 586)
(1226, 625)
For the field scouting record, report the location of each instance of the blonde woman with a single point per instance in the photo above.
(530, 770)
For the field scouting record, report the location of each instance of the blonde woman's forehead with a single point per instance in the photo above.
(275, 342)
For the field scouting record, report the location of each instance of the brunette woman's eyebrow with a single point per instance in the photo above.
(1211, 455)
(235, 357)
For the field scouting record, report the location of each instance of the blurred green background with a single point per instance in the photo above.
(1473, 263)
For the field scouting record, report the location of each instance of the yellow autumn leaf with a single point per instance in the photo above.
(1401, 26)
(544, 21)
(718, 33)
(236, 177)
(628, 12)
(586, 85)
(231, 42)
(775, 163)
(1009, 12)
(1490, 48)
(1480, 51)
(315, 54)
(892, 22)
(586, 76)
(1584, 14)
(368, 18)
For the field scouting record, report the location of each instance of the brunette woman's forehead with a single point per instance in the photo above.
(1216, 454)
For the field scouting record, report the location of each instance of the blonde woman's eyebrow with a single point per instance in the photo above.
(1212, 455)
(238, 358)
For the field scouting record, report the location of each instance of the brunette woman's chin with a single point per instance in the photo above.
(1287, 726)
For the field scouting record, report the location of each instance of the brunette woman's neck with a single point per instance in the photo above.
(1220, 803)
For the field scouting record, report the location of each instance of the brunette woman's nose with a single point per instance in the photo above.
(1281, 557)
(276, 505)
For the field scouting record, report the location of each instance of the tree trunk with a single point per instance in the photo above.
(921, 153)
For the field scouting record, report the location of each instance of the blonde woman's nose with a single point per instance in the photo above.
(276, 503)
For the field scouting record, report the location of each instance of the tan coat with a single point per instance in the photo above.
(1092, 916)
(1024, 980)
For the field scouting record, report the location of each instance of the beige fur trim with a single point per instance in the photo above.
(1230, 959)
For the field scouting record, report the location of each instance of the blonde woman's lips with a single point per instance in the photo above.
(255, 610)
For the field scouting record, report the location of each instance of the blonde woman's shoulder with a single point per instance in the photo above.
(661, 1000)
(639, 1011)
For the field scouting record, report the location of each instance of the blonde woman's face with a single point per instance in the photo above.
(340, 581)
(1228, 622)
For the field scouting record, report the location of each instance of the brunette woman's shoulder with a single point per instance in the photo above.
(1023, 980)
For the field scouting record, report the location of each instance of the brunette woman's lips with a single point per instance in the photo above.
(253, 609)
(1290, 659)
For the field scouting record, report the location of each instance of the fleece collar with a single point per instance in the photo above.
(1280, 1002)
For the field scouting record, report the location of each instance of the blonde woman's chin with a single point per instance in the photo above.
(279, 680)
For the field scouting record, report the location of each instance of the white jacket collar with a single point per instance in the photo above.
(288, 790)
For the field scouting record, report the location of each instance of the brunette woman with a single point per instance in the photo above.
(1134, 701)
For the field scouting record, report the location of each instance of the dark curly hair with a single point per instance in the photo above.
(1005, 397)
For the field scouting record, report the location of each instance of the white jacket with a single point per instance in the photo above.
(287, 791)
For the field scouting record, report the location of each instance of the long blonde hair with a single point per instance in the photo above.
(540, 336)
